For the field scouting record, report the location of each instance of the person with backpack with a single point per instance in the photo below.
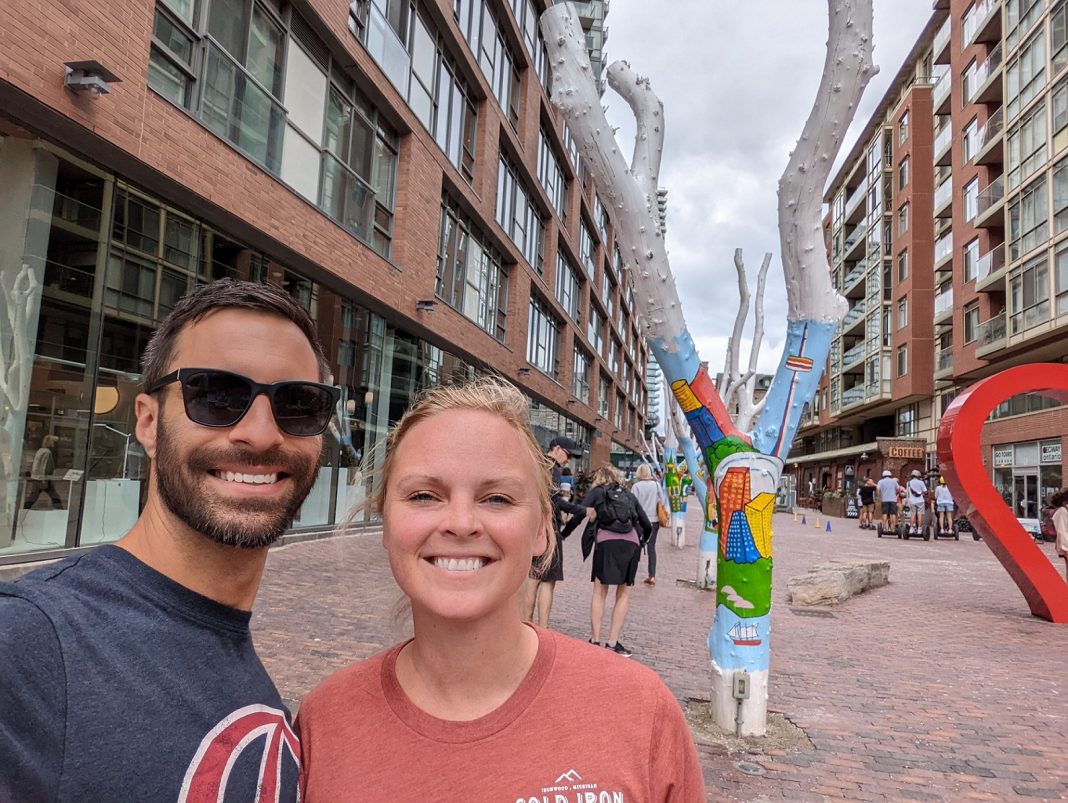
(617, 549)
(1047, 532)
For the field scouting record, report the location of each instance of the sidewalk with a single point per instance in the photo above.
(940, 686)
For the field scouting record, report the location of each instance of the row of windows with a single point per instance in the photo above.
(232, 63)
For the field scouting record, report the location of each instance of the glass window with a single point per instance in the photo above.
(518, 216)
(1029, 295)
(902, 360)
(903, 219)
(587, 247)
(470, 276)
(902, 266)
(580, 376)
(970, 140)
(604, 388)
(971, 260)
(1060, 196)
(1061, 279)
(543, 338)
(971, 322)
(1026, 75)
(971, 199)
(902, 313)
(1058, 36)
(903, 174)
(568, 286)
(1028, 220)
(551, 175)
(903, 129)
(1027, 146)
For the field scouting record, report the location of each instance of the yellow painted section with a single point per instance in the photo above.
(758, 513)
(687, 401)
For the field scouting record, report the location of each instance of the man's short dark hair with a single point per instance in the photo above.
(221, 295)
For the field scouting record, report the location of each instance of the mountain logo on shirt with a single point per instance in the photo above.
(208, 776)
(569, 787)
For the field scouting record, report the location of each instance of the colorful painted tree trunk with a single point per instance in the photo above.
(744, 467)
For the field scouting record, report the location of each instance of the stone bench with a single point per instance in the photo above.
(831, 583)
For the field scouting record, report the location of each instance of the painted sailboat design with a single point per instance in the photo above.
(744, 635)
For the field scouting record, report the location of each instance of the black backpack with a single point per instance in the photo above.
(616, 512)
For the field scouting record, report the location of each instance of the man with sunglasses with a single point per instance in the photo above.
(128, 672)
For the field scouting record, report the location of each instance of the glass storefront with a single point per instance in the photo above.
(1027, 474)
(88, 267)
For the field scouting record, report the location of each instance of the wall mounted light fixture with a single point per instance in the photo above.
(90, 77)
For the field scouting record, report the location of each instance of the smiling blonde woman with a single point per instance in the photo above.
(480, 705)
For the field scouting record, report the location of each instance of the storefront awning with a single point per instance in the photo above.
(823, 457)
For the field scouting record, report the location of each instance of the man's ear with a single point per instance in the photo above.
(146, 411)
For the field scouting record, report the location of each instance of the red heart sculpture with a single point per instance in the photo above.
(961, 457)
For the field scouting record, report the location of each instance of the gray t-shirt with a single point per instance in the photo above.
(887, 489)
(116, 683)
(647, 492)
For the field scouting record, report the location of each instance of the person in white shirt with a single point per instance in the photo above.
(944, 506)
(917, 493)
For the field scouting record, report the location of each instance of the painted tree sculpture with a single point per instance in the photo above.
(744, 468)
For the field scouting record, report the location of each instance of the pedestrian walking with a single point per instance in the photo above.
(647, 491)
(540, 587)
(617, 545)
(128, 672)
(478, 704)
(41, 471)
(1060, 524)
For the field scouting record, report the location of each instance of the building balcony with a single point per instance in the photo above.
(940, 48)
(855, 243)
(985, 86)
(943, 305)
(984, 24)
(991, 205)
(854, 316)
(991, 142)
(944, 363)
(853, 396)
(943, 199)
(990, 271)
(943, 153)
(855, 356)
(991, 336)
(855, 208)
(853, 284)
(941, 92)
(590, 10)
(943, 249)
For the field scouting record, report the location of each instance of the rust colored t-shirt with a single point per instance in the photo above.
(584, 725)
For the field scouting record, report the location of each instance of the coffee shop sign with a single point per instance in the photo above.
(906, 452)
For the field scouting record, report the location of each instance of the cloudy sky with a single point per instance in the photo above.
(737, 80)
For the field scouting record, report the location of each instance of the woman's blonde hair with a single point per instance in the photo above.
(643, 472)
(606, 474)
(489, 394)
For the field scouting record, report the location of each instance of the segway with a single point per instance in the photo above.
(953, 532)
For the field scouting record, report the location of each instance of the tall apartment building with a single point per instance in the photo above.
(948, 232)
(396, 165)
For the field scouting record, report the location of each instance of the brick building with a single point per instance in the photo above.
(948, 233)
(396, 165)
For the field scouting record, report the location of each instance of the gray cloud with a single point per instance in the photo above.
(737, 80)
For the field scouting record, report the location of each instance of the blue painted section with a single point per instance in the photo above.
(741, 548)
(793, 386)
(677, 358)
(704, 426)
(727, 629)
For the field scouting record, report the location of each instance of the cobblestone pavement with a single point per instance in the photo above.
(939, 686)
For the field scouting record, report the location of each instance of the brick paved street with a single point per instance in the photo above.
(940, 686)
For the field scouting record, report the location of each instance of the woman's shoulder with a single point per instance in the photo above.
(595, 664)
(361, 677)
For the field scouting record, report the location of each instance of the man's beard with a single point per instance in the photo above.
(249, 523)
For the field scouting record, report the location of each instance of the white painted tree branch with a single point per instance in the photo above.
(629, 194)
(846, 72)
(15, 367)
(736, 387)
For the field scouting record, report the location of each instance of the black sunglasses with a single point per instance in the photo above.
(215, 398)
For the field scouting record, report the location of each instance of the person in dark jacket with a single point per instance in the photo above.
(541, 584)
(618, 531)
